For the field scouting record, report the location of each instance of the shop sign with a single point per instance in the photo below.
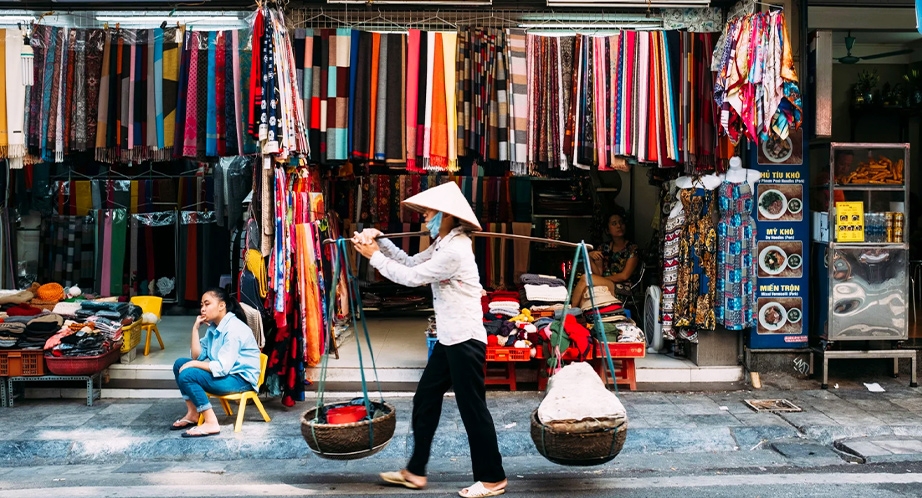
(782, 249)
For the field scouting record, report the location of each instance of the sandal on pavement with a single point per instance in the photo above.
(197, 431)
(184, 423)
(397, 478)
(478, 490)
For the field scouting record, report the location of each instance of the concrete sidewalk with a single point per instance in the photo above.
(834, 427)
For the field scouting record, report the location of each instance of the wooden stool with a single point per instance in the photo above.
(503, 376)
(625, 373)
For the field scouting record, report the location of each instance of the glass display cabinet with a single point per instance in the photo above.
(861, 254)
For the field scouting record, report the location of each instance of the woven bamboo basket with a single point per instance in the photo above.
(349, 441)
(577, 449)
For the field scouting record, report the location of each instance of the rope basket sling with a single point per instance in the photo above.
(349, 441)
(365, 437)
(581, 448)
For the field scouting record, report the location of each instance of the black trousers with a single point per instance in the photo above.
(459, 366)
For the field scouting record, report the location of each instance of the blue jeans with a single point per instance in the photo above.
(194, 382)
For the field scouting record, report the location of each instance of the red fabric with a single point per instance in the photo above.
(23, 309)
(256, 75)
(492, 340)
(579, 336)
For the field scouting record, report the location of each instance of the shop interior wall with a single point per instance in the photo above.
(872, 128)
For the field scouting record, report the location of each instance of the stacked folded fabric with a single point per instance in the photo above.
(545, 293)
(506, 307)
(10, 332)
(623, 331)
(83, 343)
(601, 304)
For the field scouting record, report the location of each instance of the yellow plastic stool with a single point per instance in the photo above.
(149, 304)
(242, 398)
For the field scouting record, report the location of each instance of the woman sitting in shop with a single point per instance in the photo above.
(457, 361)
(613, 264)
(226, 361)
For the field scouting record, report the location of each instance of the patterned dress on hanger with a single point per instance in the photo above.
(695, 288)
(672, 232)
(736, 276)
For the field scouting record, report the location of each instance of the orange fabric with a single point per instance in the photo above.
(373, 103)
(438, 148)
(50, 292)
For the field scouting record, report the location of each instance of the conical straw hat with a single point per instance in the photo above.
(448, 199)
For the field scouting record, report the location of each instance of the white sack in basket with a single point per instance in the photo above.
(577, 396)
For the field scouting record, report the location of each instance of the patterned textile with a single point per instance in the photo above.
(613, 262)
(708, 20)
(518, 99)
(190, 126)
(672, 236)
(337, 97)
(736, 276)
(695, 288)
(756, 85)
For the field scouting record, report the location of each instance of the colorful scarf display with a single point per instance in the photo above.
(756, 85)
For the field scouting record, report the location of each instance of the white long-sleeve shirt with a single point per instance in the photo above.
(449, 266)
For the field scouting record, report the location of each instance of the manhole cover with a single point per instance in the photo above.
(772, 405)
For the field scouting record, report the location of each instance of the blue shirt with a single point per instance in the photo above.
(230, 348)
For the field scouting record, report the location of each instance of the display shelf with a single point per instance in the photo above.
(862, 286)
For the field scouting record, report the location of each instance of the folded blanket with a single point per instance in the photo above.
(545, 293)
(536, 279)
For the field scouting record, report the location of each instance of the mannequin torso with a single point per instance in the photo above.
(736, 173)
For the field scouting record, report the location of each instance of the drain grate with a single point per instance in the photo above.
(772, 405)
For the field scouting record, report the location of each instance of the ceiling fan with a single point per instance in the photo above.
(851, 59)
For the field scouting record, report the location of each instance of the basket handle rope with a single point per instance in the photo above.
(341, 264)
(581, 255)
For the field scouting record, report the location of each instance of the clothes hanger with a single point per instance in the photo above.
(433, 20)
(384, 20)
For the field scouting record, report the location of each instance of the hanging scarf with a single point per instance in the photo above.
(102, 115)
(59, 88)
(15, 99)
(191, 124)
(185, 56)
(518, 100)
(4, 134)
(412, 98)
(362, 116)
(395, 124)
(211, 121)
(233, 95)
(380, 122)
(47, 116)
(220, 96)
(438, 152)
(256, 74)
(68, 81)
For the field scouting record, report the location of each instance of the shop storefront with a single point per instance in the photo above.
(141, 144)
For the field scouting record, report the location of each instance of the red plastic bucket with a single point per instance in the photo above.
(346, 414)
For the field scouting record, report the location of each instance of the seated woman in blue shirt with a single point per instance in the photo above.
(226, 361)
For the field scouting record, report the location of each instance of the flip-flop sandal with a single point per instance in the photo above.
(397, 478)
(185, 424)
(478, 490)
(198, 432)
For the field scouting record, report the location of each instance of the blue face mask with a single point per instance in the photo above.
(434, 225)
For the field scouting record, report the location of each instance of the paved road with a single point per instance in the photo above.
(295, 478)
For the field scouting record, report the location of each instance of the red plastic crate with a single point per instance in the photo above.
(622, 349)
(496, 353)
(22, 362)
